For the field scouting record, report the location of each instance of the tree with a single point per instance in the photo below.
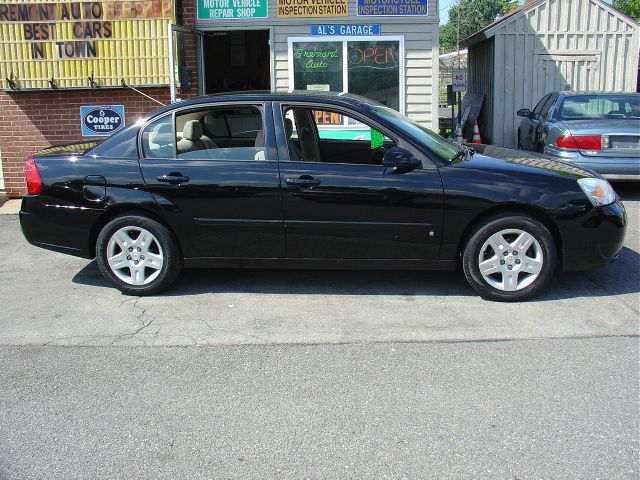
(474, 16)
(631, 8)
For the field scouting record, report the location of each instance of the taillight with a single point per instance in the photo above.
(34, 181)
(582, 142)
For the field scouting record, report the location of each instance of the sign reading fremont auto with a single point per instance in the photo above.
(229, 9)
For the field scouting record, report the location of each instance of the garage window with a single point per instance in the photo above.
(369, 66)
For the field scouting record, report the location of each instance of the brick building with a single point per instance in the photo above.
(253, 46)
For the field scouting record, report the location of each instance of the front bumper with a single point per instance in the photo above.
(611, 168)
(595, 239)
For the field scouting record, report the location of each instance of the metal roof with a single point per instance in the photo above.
(490, 30)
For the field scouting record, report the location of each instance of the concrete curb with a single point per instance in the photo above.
(11, 207)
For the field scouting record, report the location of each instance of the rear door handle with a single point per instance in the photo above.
(173, 178)
(303, 181)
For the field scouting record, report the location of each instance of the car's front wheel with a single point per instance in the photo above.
(138, 255)
(509, 258)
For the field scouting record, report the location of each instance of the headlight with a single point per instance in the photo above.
(599, 192)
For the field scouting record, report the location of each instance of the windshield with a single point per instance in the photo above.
(597, 107)
(440, 146)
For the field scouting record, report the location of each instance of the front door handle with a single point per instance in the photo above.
(303, 181)
(173, 178)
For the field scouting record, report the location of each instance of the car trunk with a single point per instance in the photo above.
(68, 150)
(621, 136)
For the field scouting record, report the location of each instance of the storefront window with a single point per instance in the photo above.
(318, 66)
(371, 67)
(374, 71)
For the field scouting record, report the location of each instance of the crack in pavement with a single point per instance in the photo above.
(140, 318)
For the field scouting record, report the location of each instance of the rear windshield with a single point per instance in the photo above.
(597, 107)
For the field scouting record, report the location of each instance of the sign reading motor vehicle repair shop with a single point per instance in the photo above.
(101, 120)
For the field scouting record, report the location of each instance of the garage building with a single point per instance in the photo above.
(544, 46)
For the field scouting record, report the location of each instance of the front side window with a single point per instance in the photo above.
(547, 106)
(369, 67)
(541, 104)
(312, 136)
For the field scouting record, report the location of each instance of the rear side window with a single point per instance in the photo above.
(158, 139)
(221, 133)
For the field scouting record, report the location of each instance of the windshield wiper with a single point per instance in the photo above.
(464, 152)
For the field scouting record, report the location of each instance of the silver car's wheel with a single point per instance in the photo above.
(510, 260)
(135, 256)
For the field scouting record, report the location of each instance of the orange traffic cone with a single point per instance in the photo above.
(459, 137)
(476, 133)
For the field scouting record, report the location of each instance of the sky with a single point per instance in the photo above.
(446, 4)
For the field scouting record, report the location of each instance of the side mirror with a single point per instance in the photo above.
(524, 112)
(400, 160)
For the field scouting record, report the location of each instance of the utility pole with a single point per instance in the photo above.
(458, 43)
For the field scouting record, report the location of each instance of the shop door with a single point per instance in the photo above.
(185, 62)
(236, 60)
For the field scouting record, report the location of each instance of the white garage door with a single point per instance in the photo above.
(567, 72)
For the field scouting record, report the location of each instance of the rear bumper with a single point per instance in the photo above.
(611, 168)
(58, 228)
(596, 239)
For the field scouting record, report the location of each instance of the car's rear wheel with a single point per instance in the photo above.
(138, 255)
(510, 258)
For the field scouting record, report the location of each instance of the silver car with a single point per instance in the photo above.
(599, 131)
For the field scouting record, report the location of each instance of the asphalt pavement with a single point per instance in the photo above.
(316, 374)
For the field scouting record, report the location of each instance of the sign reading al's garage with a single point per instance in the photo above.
(102, 120)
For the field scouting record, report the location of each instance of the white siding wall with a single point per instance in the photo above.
(421, 46)
(579, 42)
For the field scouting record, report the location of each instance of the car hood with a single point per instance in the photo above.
(491, 157)
(68, 150)
(607, 125)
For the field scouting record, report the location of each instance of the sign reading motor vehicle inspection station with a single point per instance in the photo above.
(392, 8)
(311, 8)
(61, 44)
(101, 120)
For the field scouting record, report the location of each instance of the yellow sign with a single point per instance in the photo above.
(65, 44)
(311, 8)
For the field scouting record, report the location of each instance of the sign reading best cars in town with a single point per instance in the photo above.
(109, 41)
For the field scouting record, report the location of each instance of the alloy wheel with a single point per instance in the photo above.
(135, 256)
(511, 260)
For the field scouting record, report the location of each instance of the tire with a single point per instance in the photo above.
(530, 252)
(138, 255)
(519, 141)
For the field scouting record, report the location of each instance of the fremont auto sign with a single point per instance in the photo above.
(101, 120)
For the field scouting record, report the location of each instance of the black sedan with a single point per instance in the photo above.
(314, 181)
